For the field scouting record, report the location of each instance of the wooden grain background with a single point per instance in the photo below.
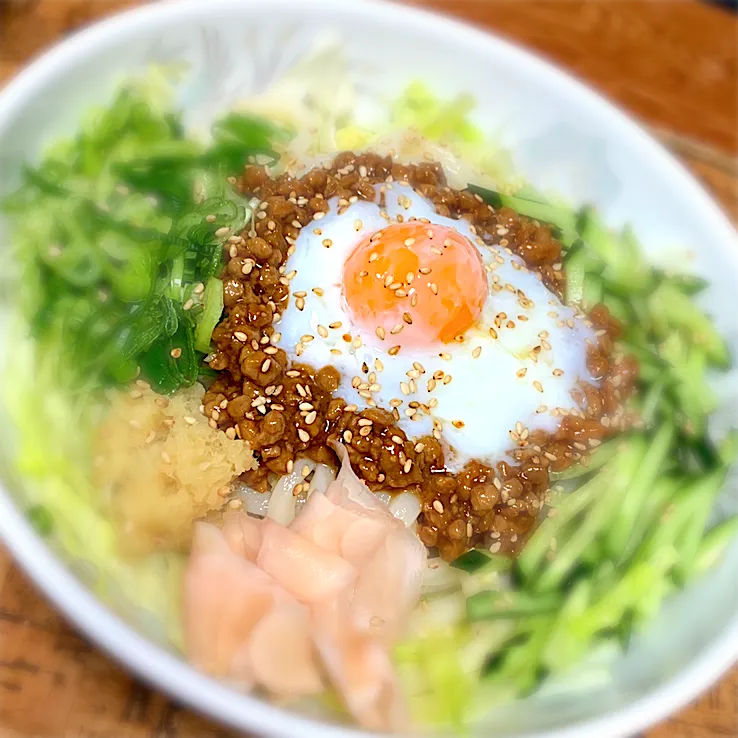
(672, 63)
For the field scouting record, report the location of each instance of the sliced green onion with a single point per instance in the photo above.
(41, 520)
(561, 218)
(493, 605)
(210, 316)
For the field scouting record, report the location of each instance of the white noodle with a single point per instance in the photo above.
(439, 577)
(437, 614)
(386, 497)
(255, 502)
(405, 506)
(282, 503)
(322, 477)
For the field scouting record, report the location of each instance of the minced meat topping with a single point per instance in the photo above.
(288, 410)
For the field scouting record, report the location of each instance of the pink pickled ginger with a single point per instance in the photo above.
(288, 608)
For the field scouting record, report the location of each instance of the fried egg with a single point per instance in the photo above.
(418, 314)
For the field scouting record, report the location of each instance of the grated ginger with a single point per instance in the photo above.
(163, 467)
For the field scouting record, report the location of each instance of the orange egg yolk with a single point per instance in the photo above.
(415, 284)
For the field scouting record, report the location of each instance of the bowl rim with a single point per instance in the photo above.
(162, 669)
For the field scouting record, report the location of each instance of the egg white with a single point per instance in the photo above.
(489, 393)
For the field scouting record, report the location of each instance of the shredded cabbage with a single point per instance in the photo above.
(322, 104)
(53, 457)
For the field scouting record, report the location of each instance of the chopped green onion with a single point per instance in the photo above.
(41, 520)
(210, 317)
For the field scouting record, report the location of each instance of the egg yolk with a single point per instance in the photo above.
(415, 284)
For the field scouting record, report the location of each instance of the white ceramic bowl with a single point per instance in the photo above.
(561, 135)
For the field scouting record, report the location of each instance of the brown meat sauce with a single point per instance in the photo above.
(286, 410)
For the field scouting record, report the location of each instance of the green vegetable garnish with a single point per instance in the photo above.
(41, 519)
(636, 527)
(213, 307)
(116, 229)
(114, 232)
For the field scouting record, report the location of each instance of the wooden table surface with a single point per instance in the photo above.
(673, 64)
